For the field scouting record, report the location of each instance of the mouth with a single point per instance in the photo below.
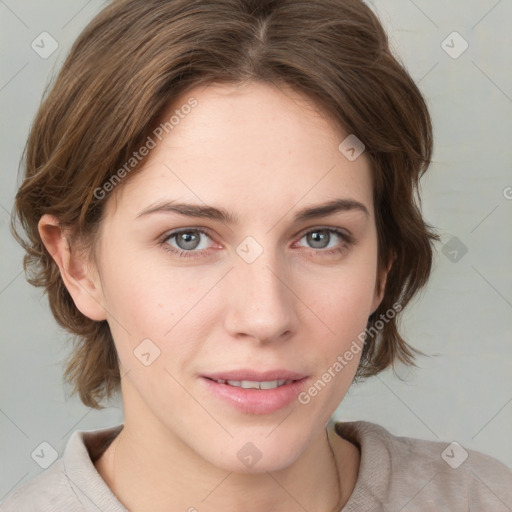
(256, 392)
(252, 384)
(256, 376)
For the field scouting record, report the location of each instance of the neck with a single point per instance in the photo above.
(136, 467)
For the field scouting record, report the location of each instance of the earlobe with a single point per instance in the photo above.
(380, 285)
(82, 283)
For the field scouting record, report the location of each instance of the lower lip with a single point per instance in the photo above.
(257, 401)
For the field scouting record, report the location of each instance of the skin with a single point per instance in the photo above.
(262, 153)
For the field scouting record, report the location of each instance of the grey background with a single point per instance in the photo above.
(463, 318)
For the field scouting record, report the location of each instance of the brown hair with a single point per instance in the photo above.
(136, 56)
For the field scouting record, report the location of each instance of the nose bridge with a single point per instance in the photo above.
(261, 305)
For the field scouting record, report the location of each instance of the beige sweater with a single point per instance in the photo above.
(396, 474)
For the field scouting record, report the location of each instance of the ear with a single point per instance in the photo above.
(81, 280)
(380, 285)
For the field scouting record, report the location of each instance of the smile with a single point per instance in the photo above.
(251, 384)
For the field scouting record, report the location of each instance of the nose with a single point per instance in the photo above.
(261, 304)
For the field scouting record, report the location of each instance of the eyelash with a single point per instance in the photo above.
(347, 239)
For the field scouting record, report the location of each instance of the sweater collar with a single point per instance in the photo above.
(85, 446)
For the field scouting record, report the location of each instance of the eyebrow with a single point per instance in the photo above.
(220, 214)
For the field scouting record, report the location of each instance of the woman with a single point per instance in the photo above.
(219, 201)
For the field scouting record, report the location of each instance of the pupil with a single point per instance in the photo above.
(188, 238)
(319, 236)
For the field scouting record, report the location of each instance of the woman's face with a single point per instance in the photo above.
(265, 295)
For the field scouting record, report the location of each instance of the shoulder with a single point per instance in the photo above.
(48, 491)
(422, 475)
(71, 483)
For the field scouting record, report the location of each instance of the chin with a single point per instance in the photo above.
(253, 454)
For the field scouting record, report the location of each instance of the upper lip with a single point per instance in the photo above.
(255, 376)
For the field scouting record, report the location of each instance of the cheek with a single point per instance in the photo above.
(133, 294)
(343, 298)
(344, 314)
(148, 301)
(344, 307)
(139, 302)
(343, 304)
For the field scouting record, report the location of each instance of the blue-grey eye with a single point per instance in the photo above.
(318, 238)
(187, 239)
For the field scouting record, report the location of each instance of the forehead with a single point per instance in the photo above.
(253, 147)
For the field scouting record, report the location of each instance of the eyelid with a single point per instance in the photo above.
(175, 232)
(342, 232)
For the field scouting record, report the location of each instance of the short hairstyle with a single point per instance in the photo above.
(137, 56)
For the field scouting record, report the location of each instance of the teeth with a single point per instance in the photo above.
(250, 384)
(272, 384)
